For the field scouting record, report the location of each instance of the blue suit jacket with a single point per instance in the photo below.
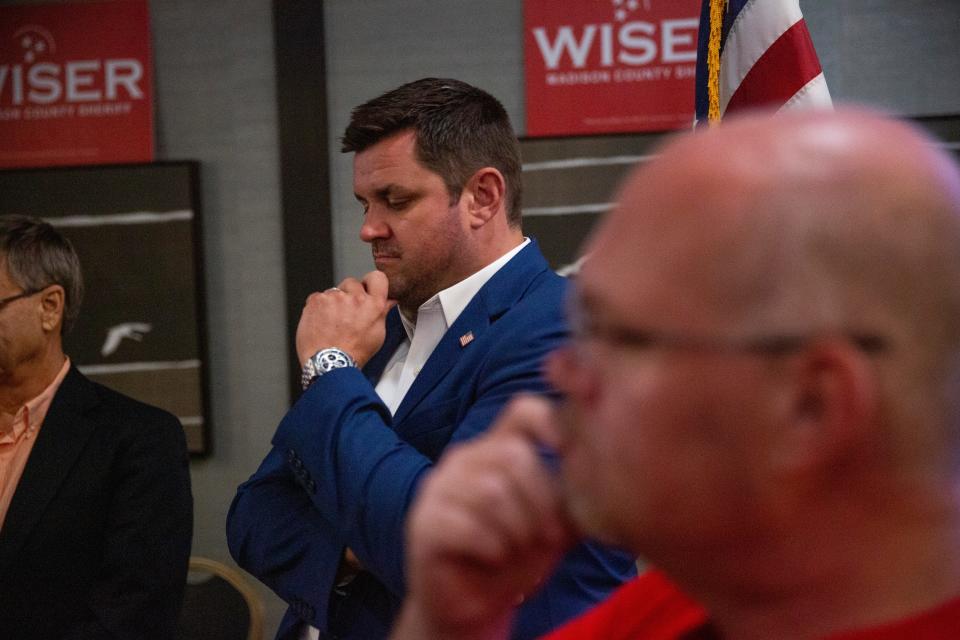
(343, 472)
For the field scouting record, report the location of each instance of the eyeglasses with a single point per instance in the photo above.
(775, 344)
(585, 328)
(26, 294)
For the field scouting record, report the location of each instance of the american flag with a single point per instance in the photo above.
(755, 53)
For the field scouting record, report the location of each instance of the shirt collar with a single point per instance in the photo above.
(32, 412)
(455, 298)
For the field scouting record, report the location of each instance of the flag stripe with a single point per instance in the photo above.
(786, 67)
(766, 59)
(734, 7)
(813, 94)
(756, 28)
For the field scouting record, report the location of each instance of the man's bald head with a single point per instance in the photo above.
(844, 207)
(836, 224)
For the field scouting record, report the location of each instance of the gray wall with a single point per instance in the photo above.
(902, 56)
(216, 103)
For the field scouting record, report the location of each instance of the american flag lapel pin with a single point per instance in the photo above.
(466, 339)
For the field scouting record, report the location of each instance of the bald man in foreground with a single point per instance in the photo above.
(762, 401)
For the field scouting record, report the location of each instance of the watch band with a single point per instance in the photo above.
(323, 361)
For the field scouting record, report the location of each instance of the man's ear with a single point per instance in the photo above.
(832, 408)
(52, 303)
(486, 192)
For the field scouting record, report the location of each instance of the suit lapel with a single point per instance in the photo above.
(59, 443)
(500, 293)
(474, 319)
(395, 335)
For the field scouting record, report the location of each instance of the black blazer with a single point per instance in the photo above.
(97, 537)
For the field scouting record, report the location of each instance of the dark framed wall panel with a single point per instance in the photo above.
(136, 229)
(945, 128)
(304, 171)
(568, 183)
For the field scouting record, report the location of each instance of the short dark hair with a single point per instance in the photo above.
(37, 256)
(459, 129)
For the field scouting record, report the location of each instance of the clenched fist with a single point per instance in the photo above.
(349, 316)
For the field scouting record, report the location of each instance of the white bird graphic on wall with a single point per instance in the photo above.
(129, 330)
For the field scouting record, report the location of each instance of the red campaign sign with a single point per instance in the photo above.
(608, 66)
(76, 84)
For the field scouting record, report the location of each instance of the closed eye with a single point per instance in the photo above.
(618, 335)
(364, 205)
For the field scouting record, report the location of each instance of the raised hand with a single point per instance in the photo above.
(349, 316)
(487, 529)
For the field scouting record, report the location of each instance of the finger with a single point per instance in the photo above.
(376, 284)
(457, 531)
(351, 286)
(539, 424)
(485, 536)
(531, 417)
(509, 490)
(535, 490)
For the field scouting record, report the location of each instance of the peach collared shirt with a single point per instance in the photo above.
(18, 433)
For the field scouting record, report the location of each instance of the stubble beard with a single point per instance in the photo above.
(411, 290)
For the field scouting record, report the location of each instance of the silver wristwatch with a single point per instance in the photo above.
(323, 361)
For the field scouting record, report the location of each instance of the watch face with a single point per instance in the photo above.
(322, 362)
(333, 359)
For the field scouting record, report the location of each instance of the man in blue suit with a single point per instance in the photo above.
(419, 354)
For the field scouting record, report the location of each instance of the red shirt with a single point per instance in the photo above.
(939, 623)
(650, 607)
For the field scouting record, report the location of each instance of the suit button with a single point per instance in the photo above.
(295, 461)
(311, 486)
